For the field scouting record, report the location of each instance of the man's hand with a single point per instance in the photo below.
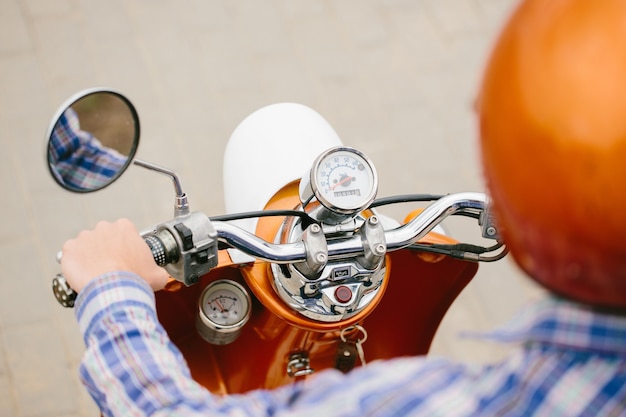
(109, 247)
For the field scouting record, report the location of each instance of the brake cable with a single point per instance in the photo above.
(464, 251)
(306, 219)
(407, 198)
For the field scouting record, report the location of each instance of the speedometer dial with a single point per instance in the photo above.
(344, 180)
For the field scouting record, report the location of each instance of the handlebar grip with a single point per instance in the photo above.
(66, 296)
(157, 248)
(62, 291)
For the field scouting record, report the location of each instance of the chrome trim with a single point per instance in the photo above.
(181, 204)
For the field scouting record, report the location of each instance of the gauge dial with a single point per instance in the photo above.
(344, 180)
(224, 307)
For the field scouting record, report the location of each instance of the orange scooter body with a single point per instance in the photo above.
(401, 321)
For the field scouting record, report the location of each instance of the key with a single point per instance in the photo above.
(359, 349)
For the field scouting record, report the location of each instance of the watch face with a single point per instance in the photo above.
(344, 180)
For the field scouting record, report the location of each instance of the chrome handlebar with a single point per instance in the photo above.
(194, 256)
(397, 238)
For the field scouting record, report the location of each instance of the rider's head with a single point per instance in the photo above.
(552, 111)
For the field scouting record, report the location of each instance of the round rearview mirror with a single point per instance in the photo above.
(92, 140)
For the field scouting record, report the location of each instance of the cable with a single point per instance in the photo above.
(306, 219)
(466, 252)
(407, 198)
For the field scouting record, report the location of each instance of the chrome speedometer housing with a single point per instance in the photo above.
(342, 179)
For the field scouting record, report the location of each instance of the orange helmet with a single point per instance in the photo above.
(552, 110)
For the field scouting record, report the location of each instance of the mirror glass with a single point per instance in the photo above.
(92, 140)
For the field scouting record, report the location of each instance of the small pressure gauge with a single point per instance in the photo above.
(343, 180)
(223, 309)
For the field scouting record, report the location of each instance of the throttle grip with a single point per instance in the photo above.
(157, 248)
(163, 254)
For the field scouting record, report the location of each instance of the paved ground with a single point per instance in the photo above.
(396, 78)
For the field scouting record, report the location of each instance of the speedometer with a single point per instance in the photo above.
(344, 180)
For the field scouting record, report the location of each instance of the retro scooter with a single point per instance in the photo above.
(303, 273)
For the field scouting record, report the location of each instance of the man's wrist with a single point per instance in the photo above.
(108, 293)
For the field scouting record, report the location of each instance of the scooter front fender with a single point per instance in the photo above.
(270, 148)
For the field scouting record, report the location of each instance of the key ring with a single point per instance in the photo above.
(358, 343)
(355, 327)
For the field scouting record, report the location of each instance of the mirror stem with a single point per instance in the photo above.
(181, 206)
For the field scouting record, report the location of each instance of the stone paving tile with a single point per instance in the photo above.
(13, 30)
(25, 299)
(35, 378)
(396, 78)
(8, 402)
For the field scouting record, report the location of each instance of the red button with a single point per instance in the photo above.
(343, 294)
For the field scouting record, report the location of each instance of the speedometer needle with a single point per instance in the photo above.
(343, 181)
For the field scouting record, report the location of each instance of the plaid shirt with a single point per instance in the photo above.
(572, 362)
(77, 159)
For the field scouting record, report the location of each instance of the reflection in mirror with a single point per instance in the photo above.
(92, 140)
